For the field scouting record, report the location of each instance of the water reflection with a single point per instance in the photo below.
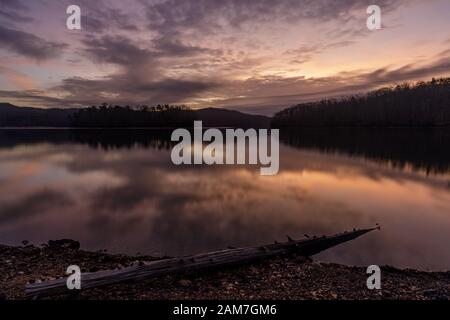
(105, 139)
(118, 190)
(418, 149)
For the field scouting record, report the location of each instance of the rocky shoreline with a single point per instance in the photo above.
(287, 278)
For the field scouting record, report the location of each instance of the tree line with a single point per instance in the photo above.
(109, 116)
(424, 104)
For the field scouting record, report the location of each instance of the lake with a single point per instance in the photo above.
(117, 190)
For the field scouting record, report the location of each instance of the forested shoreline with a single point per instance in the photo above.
(118, 116)
(425, 104)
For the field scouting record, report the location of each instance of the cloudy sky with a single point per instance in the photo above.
(256, 56)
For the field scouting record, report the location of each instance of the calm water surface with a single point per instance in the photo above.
(119, 191)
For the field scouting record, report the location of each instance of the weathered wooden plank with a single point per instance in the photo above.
(196, 263)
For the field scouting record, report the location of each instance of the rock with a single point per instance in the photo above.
(254, 270)
(185, 283)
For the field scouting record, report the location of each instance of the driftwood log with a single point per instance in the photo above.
(306, 247)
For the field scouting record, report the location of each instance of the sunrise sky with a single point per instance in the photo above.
(256, 56)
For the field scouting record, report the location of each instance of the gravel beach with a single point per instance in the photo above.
(286, 278)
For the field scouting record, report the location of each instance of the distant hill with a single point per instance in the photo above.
(425, 104)
(13, 116)
(219, 118)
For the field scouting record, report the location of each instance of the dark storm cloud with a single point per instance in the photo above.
(176, 48)
(115, 49)
(14, 16)
(123, 51)
(12, 5)
(100, 21)
(32, 96)
(172, 16)
(14, 11)
(29, 45)
(142, 78)
(127, 91)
